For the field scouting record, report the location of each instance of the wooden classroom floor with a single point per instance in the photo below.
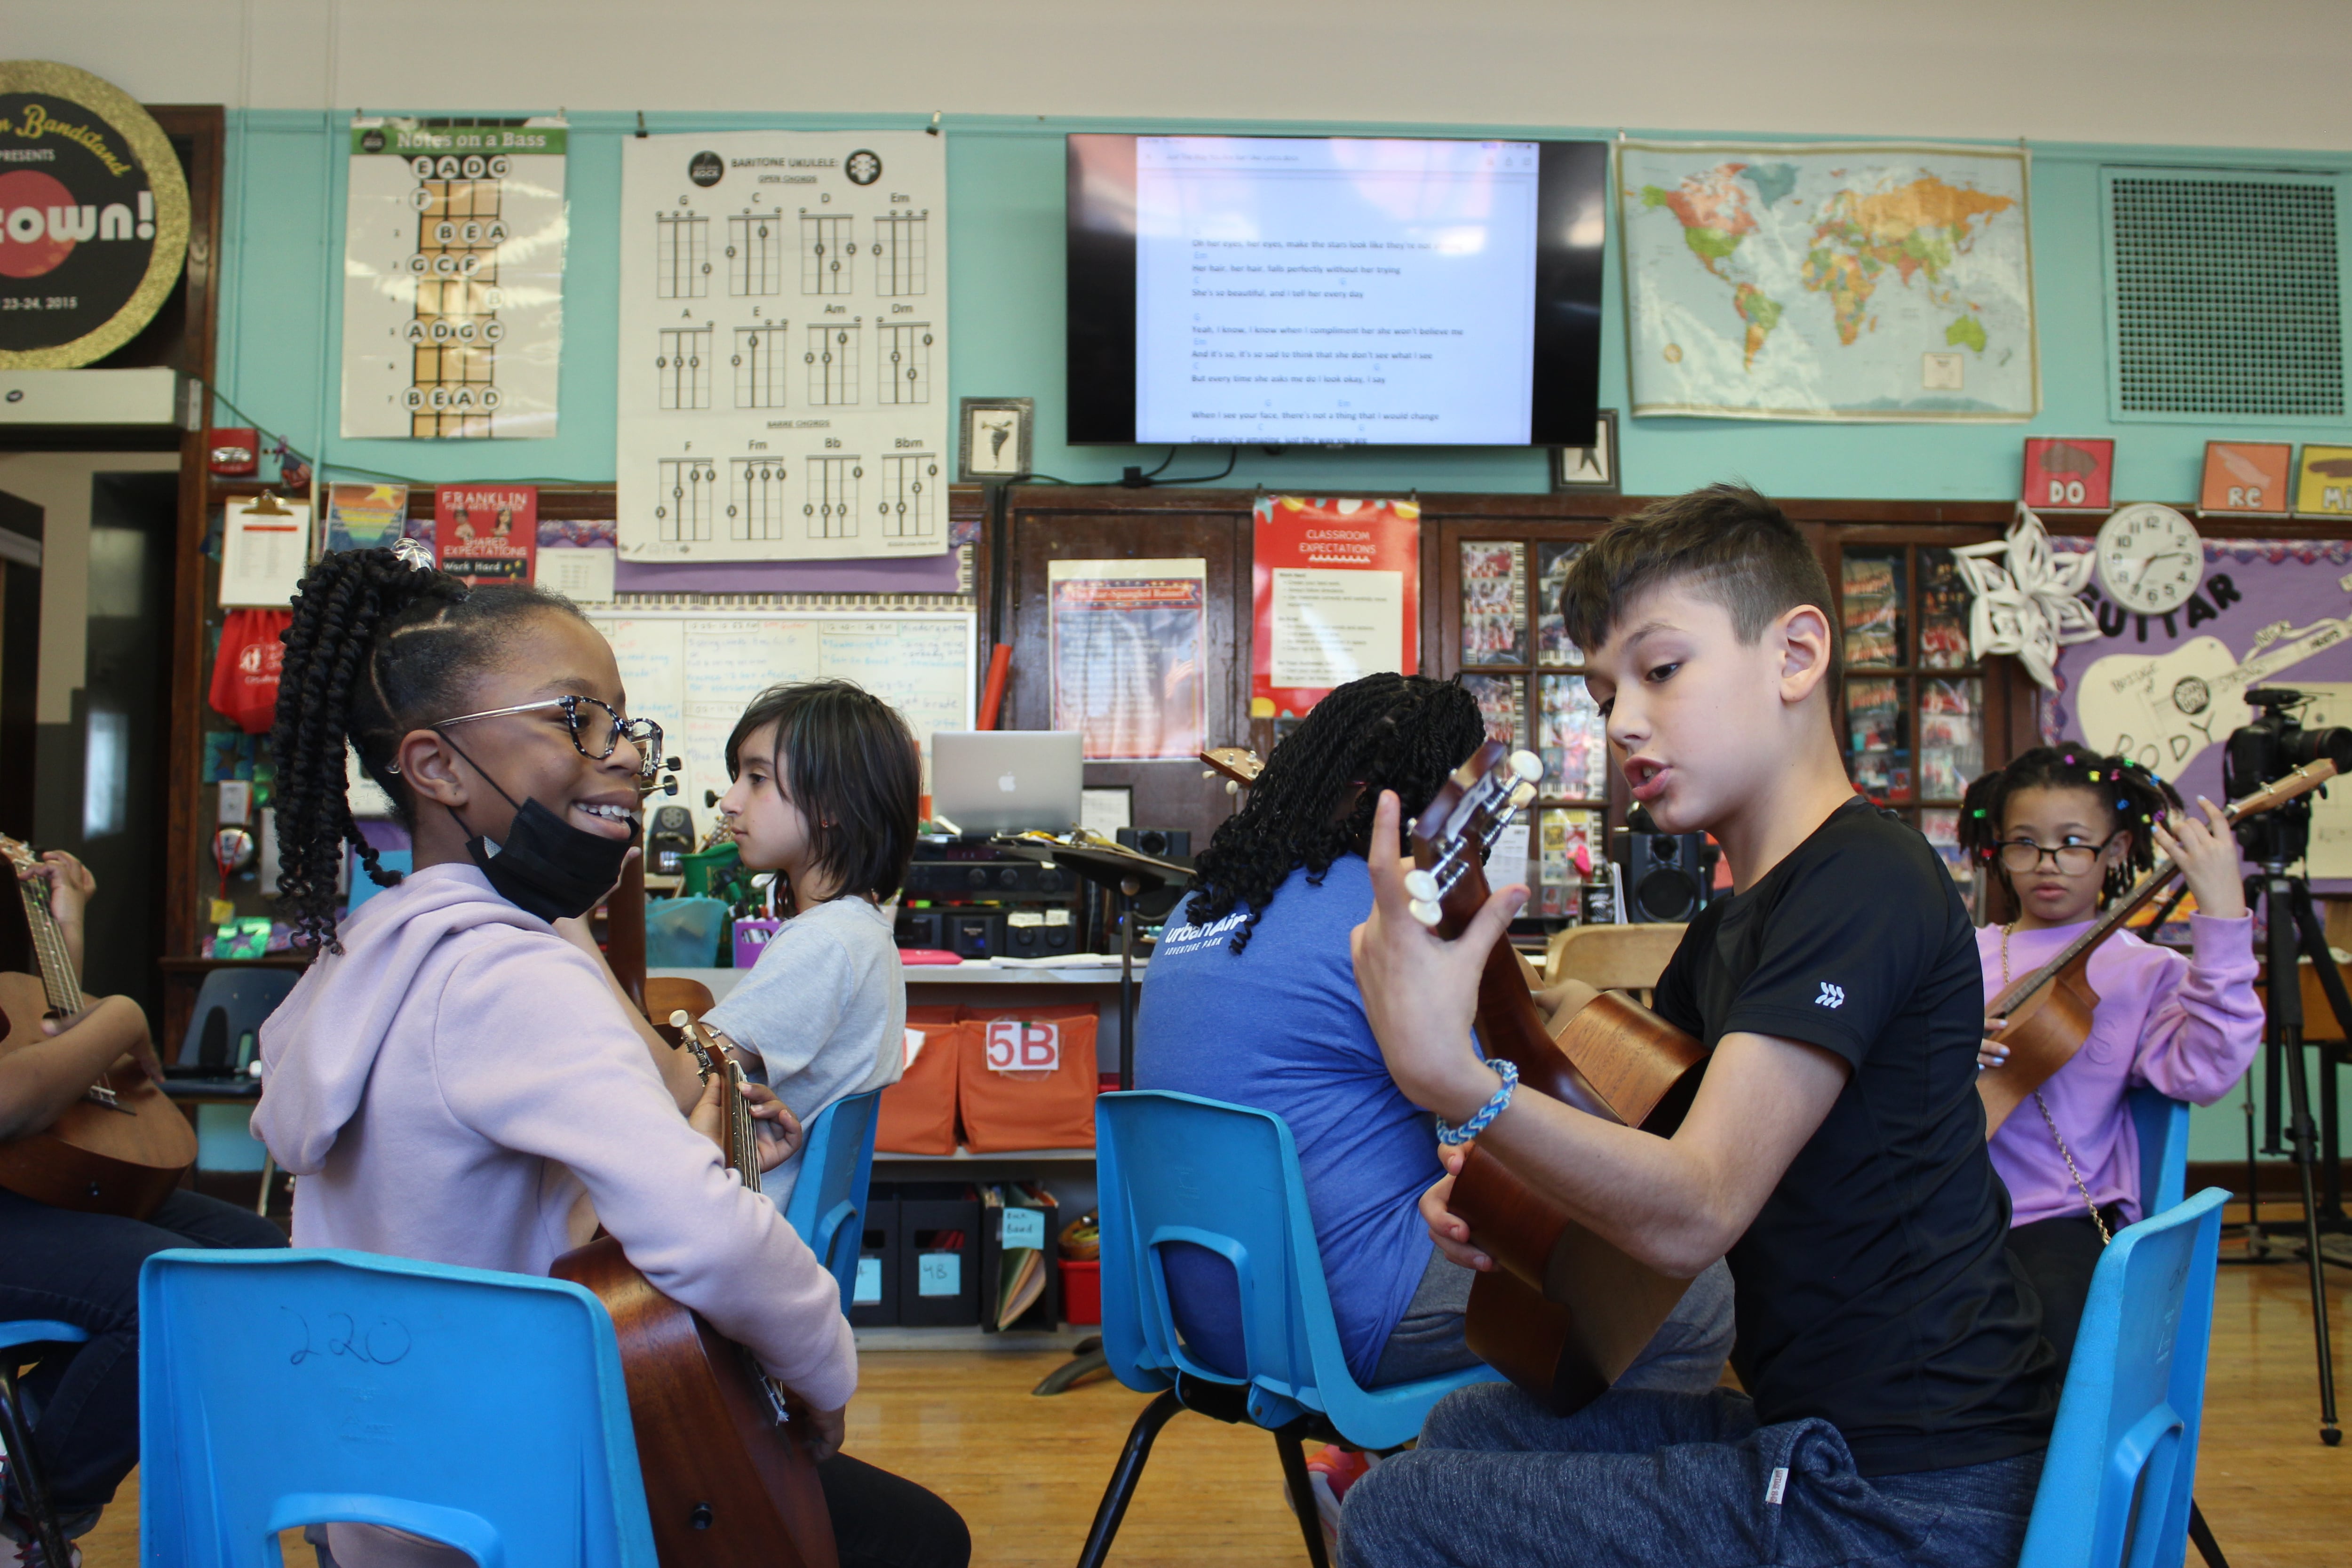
(1026, 1472)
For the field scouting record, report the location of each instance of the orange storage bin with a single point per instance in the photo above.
(918, 1114)
(1028, 1079)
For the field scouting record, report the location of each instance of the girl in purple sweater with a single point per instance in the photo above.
(457, 1078)
(2067, 830)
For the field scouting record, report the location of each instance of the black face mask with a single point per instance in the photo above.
(546, 866)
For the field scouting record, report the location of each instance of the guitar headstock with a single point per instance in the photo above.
(1239, 765)
(697, 1042)
(1451, 837)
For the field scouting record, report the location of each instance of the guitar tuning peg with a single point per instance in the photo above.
(680, 1020)
(1522, 796)
(1427, 913)
(1233, 787)
(1421, 886)
(1528, 766)
(1208, 773)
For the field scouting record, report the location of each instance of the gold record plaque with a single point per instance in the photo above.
(93, 217)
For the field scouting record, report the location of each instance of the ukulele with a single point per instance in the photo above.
(119, 1149)
(2049, 1010)
(729, 1481)
(1564, 1312)
(1237, 765)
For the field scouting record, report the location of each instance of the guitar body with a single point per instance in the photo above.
(2043, 1035)
(94, 1158)
(724, 1486)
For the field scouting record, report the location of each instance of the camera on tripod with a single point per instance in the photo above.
(2265, 751)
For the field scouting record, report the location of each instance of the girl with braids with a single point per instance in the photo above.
(2066, 830)
(457, 1077)
(1252, 999)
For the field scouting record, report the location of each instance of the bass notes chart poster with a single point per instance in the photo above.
(453, 278)
(783, 346)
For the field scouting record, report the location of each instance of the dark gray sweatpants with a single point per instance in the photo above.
(1643, 1477)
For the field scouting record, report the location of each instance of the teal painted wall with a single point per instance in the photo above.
(280, 339)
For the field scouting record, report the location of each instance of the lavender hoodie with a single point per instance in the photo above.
(447, 1087)
(2187, 1026)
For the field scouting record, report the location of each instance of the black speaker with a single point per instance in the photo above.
(972, 935)
(1667, 875)
(669, 836)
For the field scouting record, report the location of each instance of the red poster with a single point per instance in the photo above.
(1337, 594)
(487, 533)
(2069, 473)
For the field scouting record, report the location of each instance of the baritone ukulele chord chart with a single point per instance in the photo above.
(783, 331)
(454, 278)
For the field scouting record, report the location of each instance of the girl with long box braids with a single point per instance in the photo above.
(457, 1078)
(2067, 830)
(1253, 999)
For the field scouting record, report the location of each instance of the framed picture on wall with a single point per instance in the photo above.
(1593, 467)
(993, 437)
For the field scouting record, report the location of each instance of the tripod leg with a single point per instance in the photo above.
(2286, 1007)
(2202, 1534)
(2339, 1001)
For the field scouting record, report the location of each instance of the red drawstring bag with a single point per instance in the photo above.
(244, 672)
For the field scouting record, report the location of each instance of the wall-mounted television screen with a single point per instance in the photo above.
(1334, 290)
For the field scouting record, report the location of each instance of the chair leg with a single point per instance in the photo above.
(18, 1435)
(2202, 1534)
(1302, 1493)
(1113, 1506)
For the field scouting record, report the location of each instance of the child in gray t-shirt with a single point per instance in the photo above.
(826, 779)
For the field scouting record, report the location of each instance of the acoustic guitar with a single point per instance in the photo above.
(1565, 1313)
(120, 1149)
(730, 1480)
(2049, 1010)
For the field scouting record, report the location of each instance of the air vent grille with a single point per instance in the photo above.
(2226, 297)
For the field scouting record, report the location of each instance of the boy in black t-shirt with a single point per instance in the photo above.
(1899, 1392)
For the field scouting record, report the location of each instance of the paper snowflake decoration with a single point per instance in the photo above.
(2025, 605)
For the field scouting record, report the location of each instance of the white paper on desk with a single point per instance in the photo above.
(1508, 862)
(583, 576)
(263, 556)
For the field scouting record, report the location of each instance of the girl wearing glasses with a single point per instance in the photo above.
(2067, 830)
(457, 1077)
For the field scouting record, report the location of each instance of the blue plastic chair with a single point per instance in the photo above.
(17, 1341)
(282, 1389)
(2162, 1125)
(1176, 1169)
(827, 1205)
(2115, 1481)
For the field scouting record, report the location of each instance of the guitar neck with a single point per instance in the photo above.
(58, 979)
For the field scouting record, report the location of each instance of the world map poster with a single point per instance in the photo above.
(1853, 282)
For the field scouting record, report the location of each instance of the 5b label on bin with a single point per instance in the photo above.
(1015, 1046)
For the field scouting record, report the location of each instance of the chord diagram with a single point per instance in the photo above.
(825, 254)
(453, 334)
(689, 490)
(762, 366)
(902, 253)
(831, 360)
(682, 369)
(832, 505)
(905, 363)
(755, 254)
(757, 505)
(681, 255)
(909, 488)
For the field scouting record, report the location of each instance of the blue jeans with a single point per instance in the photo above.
(1640, 1478)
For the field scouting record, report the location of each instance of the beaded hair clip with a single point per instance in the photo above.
(413, 554)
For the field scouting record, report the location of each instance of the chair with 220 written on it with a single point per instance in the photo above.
(827, 1205)
(283, 1389)
(2115, 1480)
(1174, 1169)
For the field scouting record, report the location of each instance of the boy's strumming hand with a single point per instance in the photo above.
(1447, 1229)
(2206, 854)
(1419, 990)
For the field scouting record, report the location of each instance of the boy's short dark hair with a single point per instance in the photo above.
(1726, 541)
(851, 765)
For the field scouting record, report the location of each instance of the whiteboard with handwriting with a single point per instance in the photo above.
(694, 671)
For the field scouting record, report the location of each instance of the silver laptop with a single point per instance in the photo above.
(1007, 781)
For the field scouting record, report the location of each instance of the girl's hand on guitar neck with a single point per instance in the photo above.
(2206, 854)
(71, 888)
(1419, 990)
(780, 1132)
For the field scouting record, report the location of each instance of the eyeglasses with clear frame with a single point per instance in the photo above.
(643, 734)
(2020, 857)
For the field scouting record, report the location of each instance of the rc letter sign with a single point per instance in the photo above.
(93, 217)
